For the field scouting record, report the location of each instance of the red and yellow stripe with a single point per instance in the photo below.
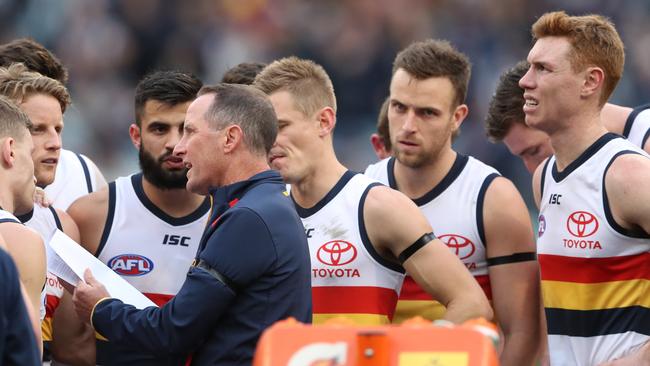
(365, 305)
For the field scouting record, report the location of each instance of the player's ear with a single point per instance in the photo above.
(135, 135)
(7, 152)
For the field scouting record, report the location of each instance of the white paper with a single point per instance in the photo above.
(77, 260)
(59, 268)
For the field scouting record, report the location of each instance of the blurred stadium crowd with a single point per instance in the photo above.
(110, 44)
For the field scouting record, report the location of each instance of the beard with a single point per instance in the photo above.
(160, 177)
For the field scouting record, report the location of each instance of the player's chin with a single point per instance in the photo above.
(196, 187)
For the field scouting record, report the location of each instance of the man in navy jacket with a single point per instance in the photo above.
(252, 266)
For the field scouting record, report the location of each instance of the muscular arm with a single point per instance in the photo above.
(89, 213)
(515, 286)
(629, 199)
(28, 252)
(73, 341)
(393, 223)
(69, 226)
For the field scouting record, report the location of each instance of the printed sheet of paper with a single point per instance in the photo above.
(70, 261)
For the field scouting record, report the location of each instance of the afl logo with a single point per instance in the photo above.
(131, 264)
(462, 247)
(582, 224)
(336, 253)
(542, 226)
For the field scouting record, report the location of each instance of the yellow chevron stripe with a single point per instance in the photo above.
(595, 296)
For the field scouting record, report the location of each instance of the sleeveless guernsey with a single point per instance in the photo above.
(349, 278)
(594, 273)
(454, 208)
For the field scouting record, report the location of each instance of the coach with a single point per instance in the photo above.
(252, 266)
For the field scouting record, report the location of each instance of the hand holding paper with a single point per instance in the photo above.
(73, 260)
(87, 294)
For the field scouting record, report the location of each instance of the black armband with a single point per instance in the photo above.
(512, 258)
(203, 265)
(408, 252)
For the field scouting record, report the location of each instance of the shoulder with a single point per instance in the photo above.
(89, 204)
(501, 189)
(628, 171)
(24, 244)
(385, 207)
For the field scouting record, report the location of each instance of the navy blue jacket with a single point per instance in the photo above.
(255, 272)
(17, 340)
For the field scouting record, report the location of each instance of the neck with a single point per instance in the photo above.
(174, 202)
(243, 169)
(577, 135)
(321, 178)
(6, 201)
(416, 182)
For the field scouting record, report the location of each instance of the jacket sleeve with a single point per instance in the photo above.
(240, 250)
(177, 327)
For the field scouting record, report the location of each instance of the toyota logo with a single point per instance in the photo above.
(582, 224)
(336, 253)
(462, 247)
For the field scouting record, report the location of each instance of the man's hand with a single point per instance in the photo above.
(40, 198)
(86, 296)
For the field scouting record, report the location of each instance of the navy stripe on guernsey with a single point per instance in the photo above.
(645, 138)
(366, 240)
(629, 122)
(589, 323)
(639, 233)
(109, 218)
(480, 225)
(136, 181)
(591, 150)
(459, 164)
(57, 220)
(84, 166)
(9, 220)
(306, 212)
(541, 190)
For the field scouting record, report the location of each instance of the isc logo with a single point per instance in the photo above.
(131, 264)
(176, 240)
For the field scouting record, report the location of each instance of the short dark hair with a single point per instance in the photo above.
(506, 106)
(436, 58)
(382, 124)
(35, 57)
(13, 121)
(246, 107)
(169, 87)
(244, 73)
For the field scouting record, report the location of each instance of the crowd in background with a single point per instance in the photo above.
(108, 45)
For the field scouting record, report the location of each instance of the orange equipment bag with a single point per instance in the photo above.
(416, 342)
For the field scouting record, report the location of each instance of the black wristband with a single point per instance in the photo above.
(408, 252)
(512, 258)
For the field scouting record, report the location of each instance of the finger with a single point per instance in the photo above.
(89, 278)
